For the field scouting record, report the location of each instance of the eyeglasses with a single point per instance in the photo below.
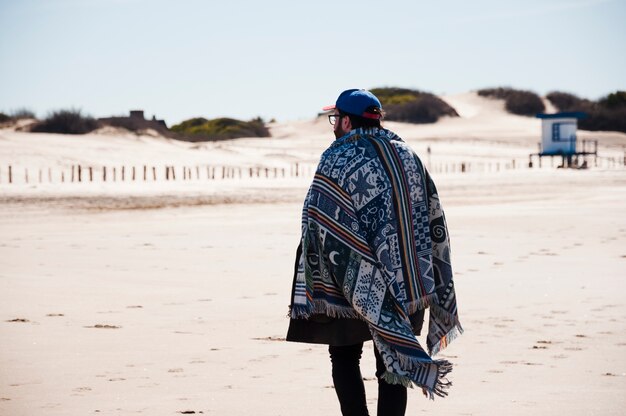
(333, 118)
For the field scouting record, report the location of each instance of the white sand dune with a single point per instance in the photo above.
(169, 297)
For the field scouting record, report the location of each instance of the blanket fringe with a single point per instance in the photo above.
(442, 384)
(443, 315)
(422, 303)
(322, 307)
(392, 378)
(446, 339)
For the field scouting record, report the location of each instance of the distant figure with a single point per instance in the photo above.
(374, 254)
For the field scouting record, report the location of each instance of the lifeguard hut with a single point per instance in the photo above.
(558, 138)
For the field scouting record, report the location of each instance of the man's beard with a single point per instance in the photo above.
(339, 132)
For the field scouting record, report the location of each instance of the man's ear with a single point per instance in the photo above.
(346, 123)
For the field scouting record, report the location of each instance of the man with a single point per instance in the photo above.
(374, 254)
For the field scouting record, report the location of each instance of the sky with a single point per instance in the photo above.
(285, 59)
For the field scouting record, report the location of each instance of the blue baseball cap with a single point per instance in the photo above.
(356, 102)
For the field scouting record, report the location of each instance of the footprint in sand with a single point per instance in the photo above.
(18, 320)
(55, 314)
(104, 326)
(270, 338)
(134, 307)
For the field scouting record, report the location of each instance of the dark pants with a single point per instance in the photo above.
(349, 384)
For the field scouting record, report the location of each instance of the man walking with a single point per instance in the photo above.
(374, 255)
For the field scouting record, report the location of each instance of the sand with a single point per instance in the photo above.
(171, 298)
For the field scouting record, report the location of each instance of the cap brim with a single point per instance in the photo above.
(329, 107)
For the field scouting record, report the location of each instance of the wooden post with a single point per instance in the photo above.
(50, 175)
(114, 174)
(297, 169)
(104, 173)
(133, 174)
(123, 173)
(154, 173)
(26, 174)
(173, 174)
(145, 173)
(40, 176)
(463, 167)
(72, 173)
(198, 172)
(249, 171)
(80, 173)
(90, 174)
(62, 176)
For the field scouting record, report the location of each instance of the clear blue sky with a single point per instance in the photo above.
(285, 59)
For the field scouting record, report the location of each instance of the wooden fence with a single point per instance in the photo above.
(78, 173)
(144, 173)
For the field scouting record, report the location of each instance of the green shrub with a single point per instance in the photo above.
(66, 122)
(523, 103)
(564, 101)
(607, 114)
(22, 113)
(220, 128)
(614, 100)
(4, 118)
(412, 106)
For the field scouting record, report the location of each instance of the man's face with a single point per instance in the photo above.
(341, 127)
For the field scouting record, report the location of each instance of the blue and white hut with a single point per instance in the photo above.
(559, 133)
(558, 138)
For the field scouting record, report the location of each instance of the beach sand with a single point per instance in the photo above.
(170, 299)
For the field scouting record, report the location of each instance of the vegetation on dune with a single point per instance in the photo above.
(412, 106)
(66, 122)
(22, 113)
(199, 128)
(520, 102)
(16, 115)
(607, 114)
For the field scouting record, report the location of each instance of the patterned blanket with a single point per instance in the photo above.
(376, 247)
